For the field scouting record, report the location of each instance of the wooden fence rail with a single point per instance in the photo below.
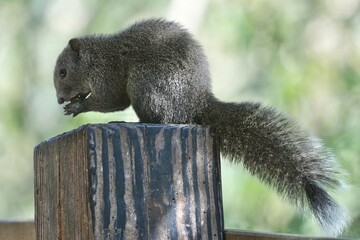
(25, 230)
(17, 230)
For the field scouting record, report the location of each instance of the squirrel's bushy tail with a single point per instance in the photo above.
(281, 154)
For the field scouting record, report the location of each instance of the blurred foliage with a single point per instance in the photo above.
(301, 56)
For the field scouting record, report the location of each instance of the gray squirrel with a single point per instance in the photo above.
(158, 68)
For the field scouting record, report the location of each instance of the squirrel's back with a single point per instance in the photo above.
(165, 58)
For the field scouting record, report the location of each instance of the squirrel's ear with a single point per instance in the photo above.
(75, 45)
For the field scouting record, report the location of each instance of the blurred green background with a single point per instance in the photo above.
(301, 56)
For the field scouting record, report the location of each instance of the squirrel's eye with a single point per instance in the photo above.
(62, 73)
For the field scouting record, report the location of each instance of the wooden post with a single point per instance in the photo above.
(129, 181)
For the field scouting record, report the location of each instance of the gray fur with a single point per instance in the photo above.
(158, 68)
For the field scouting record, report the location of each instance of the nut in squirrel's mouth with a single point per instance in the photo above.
(77, 98)
(80, 96)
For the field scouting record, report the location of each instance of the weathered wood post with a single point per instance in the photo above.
(129, 181)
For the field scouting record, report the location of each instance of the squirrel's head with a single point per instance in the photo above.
(69, 75)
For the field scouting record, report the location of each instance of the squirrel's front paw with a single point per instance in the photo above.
(74, 108)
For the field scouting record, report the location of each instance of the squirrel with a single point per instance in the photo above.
(158, 68)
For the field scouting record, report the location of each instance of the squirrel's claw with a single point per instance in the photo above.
(74, 108)
(77, 104)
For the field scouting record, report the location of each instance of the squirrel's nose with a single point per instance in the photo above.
(60, 100)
